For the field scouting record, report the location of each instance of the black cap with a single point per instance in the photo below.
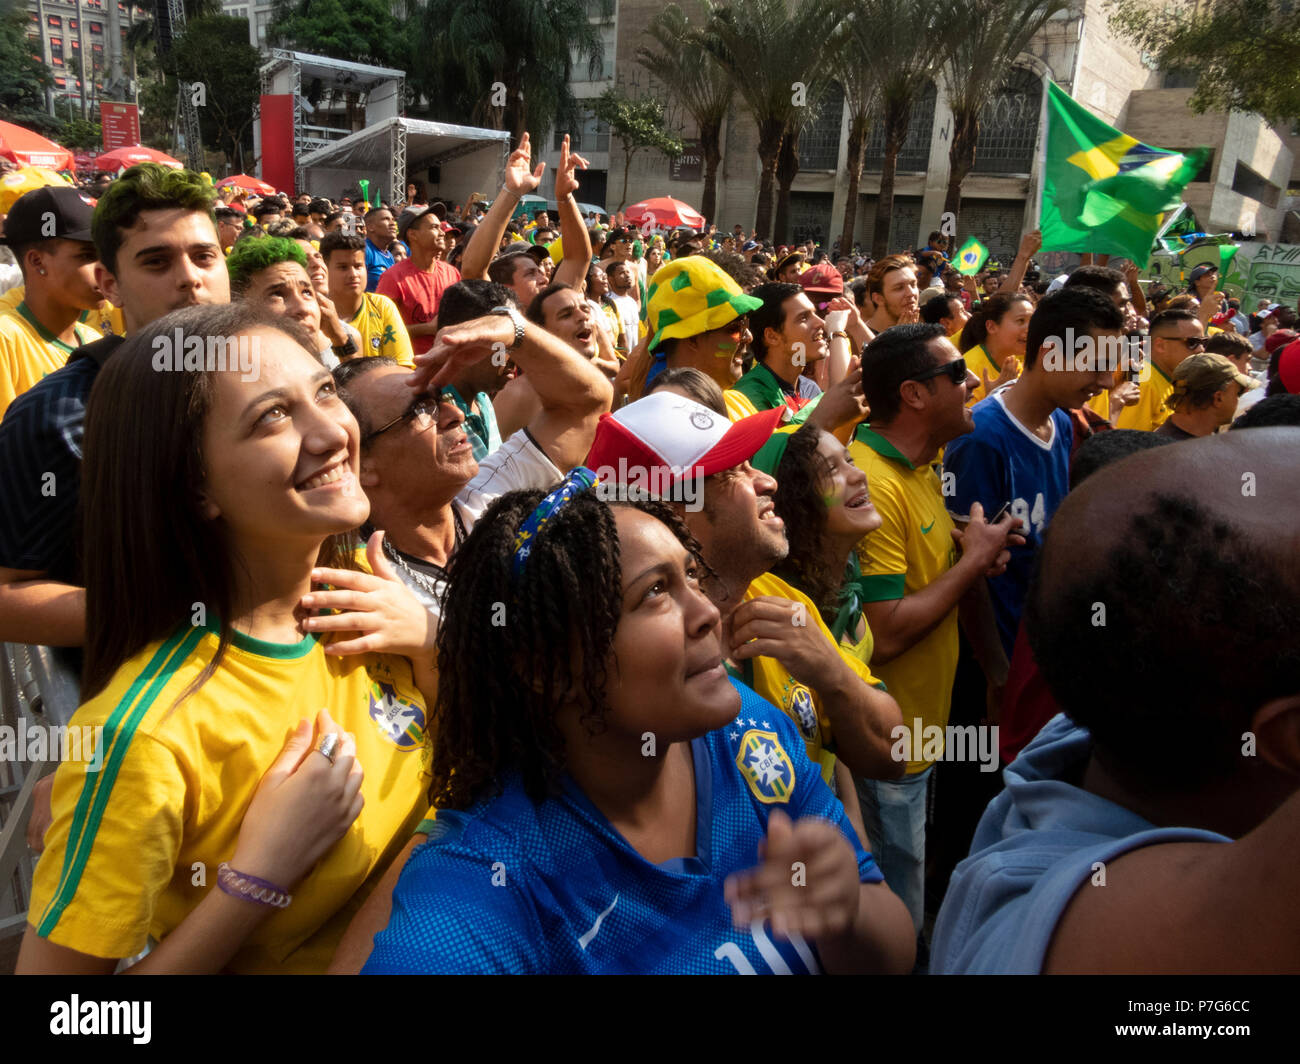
(47, 214)
(1201, 271)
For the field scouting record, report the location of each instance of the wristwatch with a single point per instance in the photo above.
(520, 323)
(347, 348)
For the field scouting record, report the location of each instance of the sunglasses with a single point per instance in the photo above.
(955, 372)
(1194, 342)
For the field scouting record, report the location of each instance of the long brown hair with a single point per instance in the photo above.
(151, 557)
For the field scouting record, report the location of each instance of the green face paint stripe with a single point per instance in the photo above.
(112, 765)
(92, 780)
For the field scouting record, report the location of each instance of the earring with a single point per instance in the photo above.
(42, 273)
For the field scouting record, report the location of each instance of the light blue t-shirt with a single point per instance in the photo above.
(377, 261)
(1003, 462)
(1034, 848)
(510, 886)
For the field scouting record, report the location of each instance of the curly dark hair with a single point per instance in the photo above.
(510, 650)
(801, 477)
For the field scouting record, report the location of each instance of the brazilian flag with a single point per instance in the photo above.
(970, 257)
(1103, 191)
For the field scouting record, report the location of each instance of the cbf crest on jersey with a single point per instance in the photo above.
(401, 721)
(766, 766)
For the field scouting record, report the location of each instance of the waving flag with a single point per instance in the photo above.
(1104, 191)
(970, 257)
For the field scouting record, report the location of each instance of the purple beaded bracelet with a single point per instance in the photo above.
(250, 888)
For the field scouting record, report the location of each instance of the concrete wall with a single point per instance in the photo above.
(1162, 117)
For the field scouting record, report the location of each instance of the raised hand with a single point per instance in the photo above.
(520, 178)
(566, 179)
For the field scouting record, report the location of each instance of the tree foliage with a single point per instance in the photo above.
(639, 124)
(23, 77)
(1245, 53)
(504, 64)
(215, 52)
(987, 36)
(774, 51)
(696, 80)
(360, 31)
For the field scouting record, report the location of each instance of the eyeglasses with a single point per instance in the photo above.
(421, 413)
(736, 329)
(955, 371)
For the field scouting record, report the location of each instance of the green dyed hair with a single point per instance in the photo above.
(254, 255)
(146, 187)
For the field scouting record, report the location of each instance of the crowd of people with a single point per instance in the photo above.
(459, 590)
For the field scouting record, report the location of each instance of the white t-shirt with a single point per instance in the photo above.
(630, 314)
(516, 465)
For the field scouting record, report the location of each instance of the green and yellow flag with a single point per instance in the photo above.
(1103, 191)
(970, 257)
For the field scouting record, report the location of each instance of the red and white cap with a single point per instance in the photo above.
(669, 437)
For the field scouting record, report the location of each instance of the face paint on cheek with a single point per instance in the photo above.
(727, 349)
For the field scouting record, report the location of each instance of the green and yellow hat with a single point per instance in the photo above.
(691, 295)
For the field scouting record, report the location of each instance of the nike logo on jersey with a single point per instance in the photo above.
(585, 940)
(926, 528)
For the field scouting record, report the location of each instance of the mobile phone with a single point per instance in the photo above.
(1001, 513)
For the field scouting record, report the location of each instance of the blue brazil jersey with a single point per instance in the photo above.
(1003, 462)
(509, 886)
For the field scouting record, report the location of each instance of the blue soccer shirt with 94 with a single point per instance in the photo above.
(509, 886)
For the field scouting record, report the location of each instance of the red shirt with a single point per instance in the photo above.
(417, 293)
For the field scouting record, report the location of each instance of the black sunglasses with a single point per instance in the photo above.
(955, 371)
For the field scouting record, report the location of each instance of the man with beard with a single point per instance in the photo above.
(893, 292)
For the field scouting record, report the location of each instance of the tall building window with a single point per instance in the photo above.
(915, 154)
(1009, 126)
(819, 140)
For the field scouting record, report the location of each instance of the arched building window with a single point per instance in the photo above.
(1009, 125)
(915, 156)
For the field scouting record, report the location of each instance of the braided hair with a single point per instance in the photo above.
(512, 649)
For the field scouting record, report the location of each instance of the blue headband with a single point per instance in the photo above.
(580, 478)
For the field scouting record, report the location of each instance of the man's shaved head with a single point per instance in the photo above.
(1174, 576)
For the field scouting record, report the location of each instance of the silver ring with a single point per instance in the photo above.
(326, 747)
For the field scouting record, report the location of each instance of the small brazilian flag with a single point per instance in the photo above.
(970, 257)
(1104, 191)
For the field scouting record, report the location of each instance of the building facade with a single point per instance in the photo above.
(73, 38)
(1244, 190)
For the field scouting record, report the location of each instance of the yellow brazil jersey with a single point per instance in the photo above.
(28, 352)
(382, 331)
(136, 840)
(1149, 412)
(10, 299)
(979, 360)
(772, 680)
(911, 549)
(738, 404)
(106, 318)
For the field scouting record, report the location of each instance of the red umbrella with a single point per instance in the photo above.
(121, 158)
(253, 184)
(22, 146)
(666, 212)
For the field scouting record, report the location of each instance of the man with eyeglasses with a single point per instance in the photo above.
(1175, 334)
(418, 469)
(914, 582)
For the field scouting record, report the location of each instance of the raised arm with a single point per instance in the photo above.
(573, 231)
(573, 392)
(520, 179)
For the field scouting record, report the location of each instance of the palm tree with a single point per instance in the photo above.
(988, 35)
(906, 40)
(697, 80)
(773, 52)
(861, 84)
(505, 64)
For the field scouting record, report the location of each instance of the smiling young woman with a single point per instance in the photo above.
(613, 778)
(231, 823)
